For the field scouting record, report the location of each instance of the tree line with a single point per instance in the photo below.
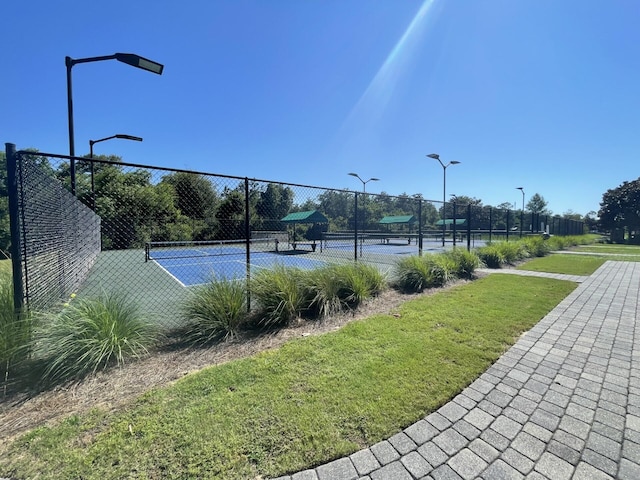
(137, 205)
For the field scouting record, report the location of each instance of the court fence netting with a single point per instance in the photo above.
(88, 226)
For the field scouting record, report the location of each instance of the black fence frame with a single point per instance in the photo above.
(464, 234)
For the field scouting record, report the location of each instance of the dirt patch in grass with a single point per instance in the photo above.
(117, 387)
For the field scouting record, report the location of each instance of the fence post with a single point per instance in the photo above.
(508, 226)
(490, 223)
(14, 221)
(468, 227)
(247, 236)
(454, 223)
(420, 227)
(355, 228)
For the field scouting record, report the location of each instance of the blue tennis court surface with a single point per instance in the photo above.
(377, 247)
(199, 270)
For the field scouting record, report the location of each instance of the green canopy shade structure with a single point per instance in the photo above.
(312, 216)
(398, 219)
(449, 221)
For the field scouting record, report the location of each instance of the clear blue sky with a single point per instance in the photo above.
(543, 94)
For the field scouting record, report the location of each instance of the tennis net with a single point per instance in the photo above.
(207, 248)
(342, 240)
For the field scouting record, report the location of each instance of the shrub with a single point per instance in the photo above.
(491, 256)
(325, 288)
(512, 251)
(414, 274)
(215, 310)
(92, 334)
(464, 262)
(282, 293)
(359, 282)
(376, 280)
(558, 243)
(336, 287)
(536, 246)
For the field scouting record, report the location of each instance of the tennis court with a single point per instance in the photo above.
(160, 276)
(194, 263)
(371, 243)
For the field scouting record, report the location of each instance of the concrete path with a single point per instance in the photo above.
(562, 403)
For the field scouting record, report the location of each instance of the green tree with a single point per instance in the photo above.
(274, 203)
(591, 220)
(196, 199)
(505, 214)
(571, 215)
(230, 214)
(338, 207)
(195, 195)
(620, 212)
(135, 211)
(538, 205)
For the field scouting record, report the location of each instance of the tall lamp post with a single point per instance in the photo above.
(91, 144)
(129, 59)
(521, 211)
(364, 183)
(364, 190)
(444, 189)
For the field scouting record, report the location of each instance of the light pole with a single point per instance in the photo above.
(91, 144)
(521, 211)
(364, 183)
(444, 189)
(364, 212)
(129, 59)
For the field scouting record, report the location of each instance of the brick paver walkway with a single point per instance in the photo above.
(562, 403)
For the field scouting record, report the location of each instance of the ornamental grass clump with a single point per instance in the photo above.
(215, 310)
(338, 287)
(15, 330)
(464, 262)
(557, 243)
(92, 334)
(512, 252)
(491, 256)
(441, 268)
(325, 288)
(414, 274)
(282, 293)
(359, 282)
(536, 246)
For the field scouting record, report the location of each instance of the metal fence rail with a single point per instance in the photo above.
(108, 237)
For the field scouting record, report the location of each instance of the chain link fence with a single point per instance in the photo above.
(154, 232)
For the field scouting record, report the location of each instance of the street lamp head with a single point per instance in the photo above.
(354, 174)
(118, 135)
(140, 62)
(373, 179)
(520, 188)
(128, 137)
(454, 162)
(434, 155)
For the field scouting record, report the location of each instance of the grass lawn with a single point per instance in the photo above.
(311, 401)
(572, 264)
(615, 249)
(5, 266)
(565, 263)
